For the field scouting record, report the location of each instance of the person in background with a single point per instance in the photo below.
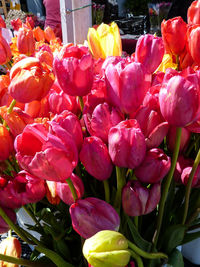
(179, 8)
(53, 19)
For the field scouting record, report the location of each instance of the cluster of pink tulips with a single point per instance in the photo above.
(101, 147)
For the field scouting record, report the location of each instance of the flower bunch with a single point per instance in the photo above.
(102, 151)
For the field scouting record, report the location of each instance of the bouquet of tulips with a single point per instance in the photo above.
(100, 149)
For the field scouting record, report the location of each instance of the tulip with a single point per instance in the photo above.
(95, 158)
(10, 247)
(5, 51)
(51, 193)
(101, 120)
(6, 143)
(105, 41)
(181, 164)
(47, 156)
(4, 227)
(149, 51)
(91, 215)
(16, 24)
(38, 108)
(126, 88)
(30, 80)
(179, 101)
(45, 57)
(193, 42)
(30, 22)
(25, 41)
(138, 200)
(166, 63)
(64, 192)
(70, 122)
(39, 34)
(185, 138)
(154, 167)
(193, 14)
(196, 179)
(74, 74)
(174, 35)
(49, 34)
(107, 248)
(2, 23)
(185, 60)
(126, 144)
(24, 188)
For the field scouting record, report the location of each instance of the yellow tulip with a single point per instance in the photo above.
(166, 63)
(105, 41)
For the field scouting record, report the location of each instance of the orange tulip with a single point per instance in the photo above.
(5, 51)
(6, 143)
(49, 34)
(10, 247)
(25, 41)
(105, 41)
(30, 80)
(45, 56)
(39, 34)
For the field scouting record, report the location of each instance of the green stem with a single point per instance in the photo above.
(120, 184)
(189, 186)
(136, 258)
(12, 104)
(20, 261)
(167, 185)
(145, 254)
(72, 189)
(81, 103)
(14, 227)
(31, 215)
(106, 190)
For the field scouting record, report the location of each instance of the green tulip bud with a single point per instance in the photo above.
(106, 249)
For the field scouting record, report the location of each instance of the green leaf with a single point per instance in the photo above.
(139, 241)
(173, 237)
(190, 237)
(176, 259)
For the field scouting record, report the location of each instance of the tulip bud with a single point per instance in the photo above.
(91, 215)
(49, 34)
(25, 41)
(138, 200)
(193, 14)
(126, 144)
(96, 159)
(196, 179)
(6, 143)
(5, 51)
(10, 247)
(193, 42)
(39, 34)
(107, 249)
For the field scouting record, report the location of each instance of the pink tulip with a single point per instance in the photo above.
(185, 138)
(95, 158)
(48, 156)
(64, 192)
(149, 51)
(138, 200)
(101, 120)
(196, 179)
(154, 167)
(91, 215)
(4, 227)
(179, 101)
(70, 122)
(126, 88)
(24, 188)
(126, 144)
(181, 164)
(74, 71)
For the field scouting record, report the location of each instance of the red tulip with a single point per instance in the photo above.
(95, 158)
(25, 41)
(179, 100)
(5, 51)
(194, 41)
(47, 156)
(49, 34)
(154, 167)
(2, 23)
(6, 143)
(193, 13)
(126, 144)
(149, 51)
(64, 192)
(4, 227)
(174, 35)
(138, 200)
(91, 215)
(30, 80)
(16, 24)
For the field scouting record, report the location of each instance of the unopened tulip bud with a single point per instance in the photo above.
(25, 41)
(10, 247)
(107, 249)
(6, 143)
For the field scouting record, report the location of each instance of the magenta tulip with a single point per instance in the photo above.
(179, 101)
(154, 167)
(102, 119)
(149, 51)
(95, 158)
(91, 215)
(48, 156)
(4, 227)
(126, 144)
(181, 164)
(64, 192)
(138, 200)
(171, 137)
(126, 88)
(196, 179)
